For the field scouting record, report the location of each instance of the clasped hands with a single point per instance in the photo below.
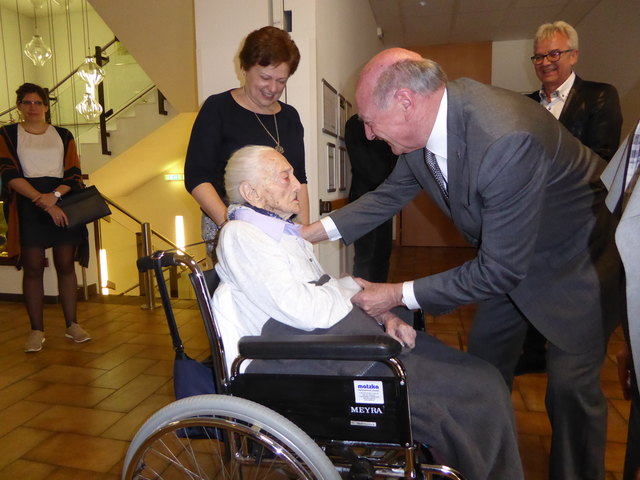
(48, 203)
(377, 299)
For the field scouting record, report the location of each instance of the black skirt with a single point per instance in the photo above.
(36, 226)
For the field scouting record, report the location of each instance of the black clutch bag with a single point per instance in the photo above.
(84, 206)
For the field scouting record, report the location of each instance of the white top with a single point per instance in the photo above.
(632, 166)
(437, 141)
(41, 155)
(267, 276)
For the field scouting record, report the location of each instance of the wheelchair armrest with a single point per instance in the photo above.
(320, 347)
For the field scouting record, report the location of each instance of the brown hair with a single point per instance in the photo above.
(27, 88)
(269, 46)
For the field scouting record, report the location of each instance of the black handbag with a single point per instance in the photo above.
(84, 206)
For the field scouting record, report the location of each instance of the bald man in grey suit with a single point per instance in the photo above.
(528, 196)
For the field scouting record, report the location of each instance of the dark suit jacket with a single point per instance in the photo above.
(592, 114)
(527, 194)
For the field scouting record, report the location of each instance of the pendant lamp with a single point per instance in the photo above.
(90, 72)
(88, 107)
(37, 51)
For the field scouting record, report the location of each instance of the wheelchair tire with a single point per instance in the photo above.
(223, 437)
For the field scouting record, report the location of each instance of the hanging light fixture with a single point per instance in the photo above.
(88, 107)
(36, 50)
(90, 72)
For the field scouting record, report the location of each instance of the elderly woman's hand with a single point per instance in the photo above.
(398, 329)
(58, 216)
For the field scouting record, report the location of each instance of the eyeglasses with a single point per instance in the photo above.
(552, 56)
(37, 103)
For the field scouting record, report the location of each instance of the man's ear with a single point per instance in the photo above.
(248, 192)
(404, 97)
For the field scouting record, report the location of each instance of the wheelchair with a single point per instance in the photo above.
(281, 426)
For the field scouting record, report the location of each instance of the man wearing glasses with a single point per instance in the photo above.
(589, 110)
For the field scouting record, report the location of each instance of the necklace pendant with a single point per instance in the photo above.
(279, 149)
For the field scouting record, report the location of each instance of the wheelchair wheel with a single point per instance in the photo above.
(223, 437)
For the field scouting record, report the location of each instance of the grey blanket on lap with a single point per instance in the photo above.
(355, 323)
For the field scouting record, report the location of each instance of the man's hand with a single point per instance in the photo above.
(398, 329)
(377, 298)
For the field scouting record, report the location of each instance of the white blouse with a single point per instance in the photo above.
(263, 278)
(41, 155)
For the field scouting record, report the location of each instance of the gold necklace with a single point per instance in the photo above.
(276, 139)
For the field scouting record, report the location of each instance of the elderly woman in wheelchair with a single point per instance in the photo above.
(272, 285)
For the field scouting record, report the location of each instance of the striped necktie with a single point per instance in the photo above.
(432, 165)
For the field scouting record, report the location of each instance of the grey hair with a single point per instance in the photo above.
(547, 30)
(245, 165)
(423, 76)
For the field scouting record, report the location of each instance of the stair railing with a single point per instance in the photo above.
(144, 241)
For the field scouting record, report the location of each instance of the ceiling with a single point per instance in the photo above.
(412, 23)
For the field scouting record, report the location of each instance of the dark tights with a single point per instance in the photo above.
(33, 261)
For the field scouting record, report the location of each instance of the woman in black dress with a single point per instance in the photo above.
(39, 164)
(248, 115)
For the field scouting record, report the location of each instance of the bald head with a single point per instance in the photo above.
(396, 68)
(398, 95)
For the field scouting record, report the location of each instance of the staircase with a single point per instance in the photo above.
(128, 128)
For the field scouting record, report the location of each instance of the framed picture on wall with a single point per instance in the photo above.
(329, 109)
(331, 167)
(343, 115)
(342, 169)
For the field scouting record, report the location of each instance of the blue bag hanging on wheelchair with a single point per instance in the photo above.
(190, 377)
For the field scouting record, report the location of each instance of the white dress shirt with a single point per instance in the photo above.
(558, 97)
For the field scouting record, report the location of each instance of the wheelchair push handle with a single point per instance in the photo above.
(167, 259)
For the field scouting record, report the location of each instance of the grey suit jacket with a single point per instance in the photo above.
(528, 195)
(627, 239)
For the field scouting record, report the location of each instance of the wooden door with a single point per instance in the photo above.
(422, 222)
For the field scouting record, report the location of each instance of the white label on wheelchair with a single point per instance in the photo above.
(368, 392)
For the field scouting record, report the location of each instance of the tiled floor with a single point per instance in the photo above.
(68, 411)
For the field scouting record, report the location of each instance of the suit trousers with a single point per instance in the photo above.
(576, 405)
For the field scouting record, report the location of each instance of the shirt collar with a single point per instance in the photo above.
(275, 227)
(563, 91)
(437, 142)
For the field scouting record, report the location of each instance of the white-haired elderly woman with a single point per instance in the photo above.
(272, 284)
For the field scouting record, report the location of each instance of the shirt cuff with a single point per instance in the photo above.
(330, 228)
(408, 297)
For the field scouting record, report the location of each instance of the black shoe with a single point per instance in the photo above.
(531, 363)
